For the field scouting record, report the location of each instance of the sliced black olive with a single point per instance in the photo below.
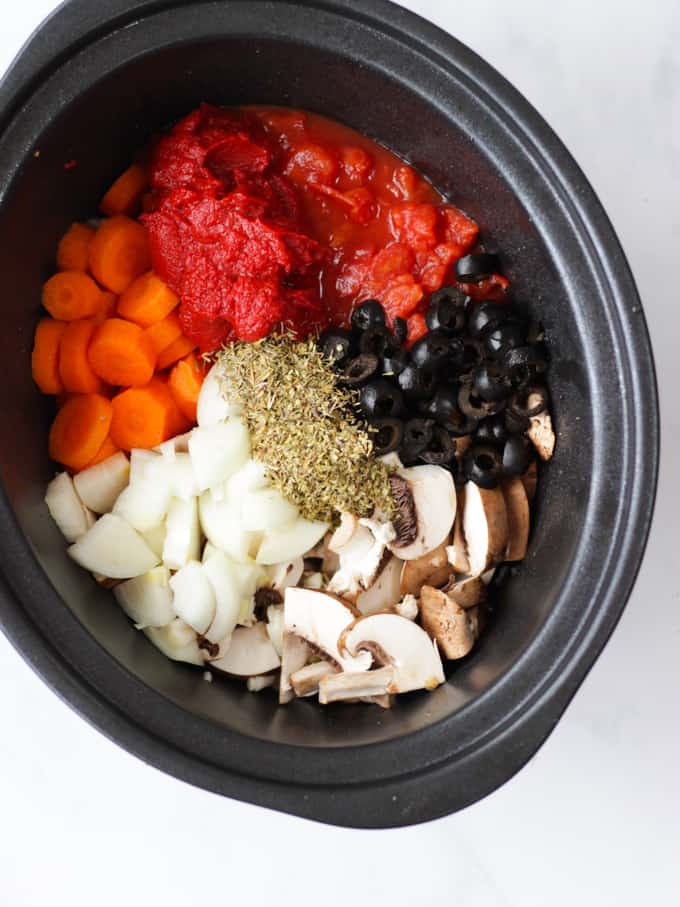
(489, 382)
(399, 331)
(459, 426)
(442, 406)
(517, 455)
(417, 438)
(516, 421)
(472, 353)
(441, 450)
(532, 400)
(473, 406)
(487, 314)
(522, 362)
(369, 314)
(491, 430)
(381, 399)
(376, 339)
(417, 383)
(386, 435)
(360, 370)
(335, 344)
(447, 311)
(483, 466)
(477, 267)
(395, 362)
(432, 350)
(500, 338)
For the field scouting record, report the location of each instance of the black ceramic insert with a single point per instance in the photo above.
(91, 86)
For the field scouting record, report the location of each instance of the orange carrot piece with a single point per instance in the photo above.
(119, 253)
(69, 295)
(108, 449)
(108, 307)
(177, 350)
(125, 195)
(164, 332)
(186, 380)
(79, 430)
(121, 354)
(147, 301)
(45, 355)
(74, 367)
(143, 416)
(73, 249)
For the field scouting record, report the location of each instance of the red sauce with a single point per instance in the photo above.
(263, 215)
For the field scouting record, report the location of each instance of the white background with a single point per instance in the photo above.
(594, 818)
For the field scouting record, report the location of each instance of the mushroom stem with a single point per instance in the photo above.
(305, 682)
(355, 684)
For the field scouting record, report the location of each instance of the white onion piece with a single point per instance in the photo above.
(218, 451)
(221, 525)
(251, 652)
(208, 551)
(145, 503)
(176, 641)
(155, 538)
(275, 622)
(266, 508)
(99, 486)
(213, 407)
(113, 549)
(291, 541)
(194, 598)
(222, 574)
(250, 477)
(183, 536)
(66, 508)
(147, 599)
(139, 460)
(177, 473)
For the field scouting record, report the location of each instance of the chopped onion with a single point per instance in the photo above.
(222, 573)
(113, 549)
(291, 541)
(144, 503)
(147, 599)
(266, 508)
(219, 519)
(66, 508)
(99, 486)
(177, 641)
(218, 451)
(194, 598)
(183, 536)
(213, 406)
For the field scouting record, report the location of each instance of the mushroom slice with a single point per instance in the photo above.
(319, 619)
(407, 607)
(517, 509)
(352, 685)
(541, 434)
(485, 525)
(295, 653)
(331, 562)
(399, 643)
(428, 501)
(467, 592)
(251, 652)
(457, 552)
(305, 682)
(286, 574)
(360, 560)
(343, 534)
(446, 622)
(384, 593)
(530, 480)
(260, 682)
(432, 568)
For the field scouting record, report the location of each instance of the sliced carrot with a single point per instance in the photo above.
(69, 295)
(185, 383)
(79, 430)
(121, 354)
(74, 367)
(143, 416)
(125, 195)
(45, 355)
(164, 332)
(73, 249)
(108, 449)
(63, 398)
(119, 253)
(108, 307)
(177, 350)
(147, 301)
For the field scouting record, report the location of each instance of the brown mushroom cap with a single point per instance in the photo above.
(432, 568)
(485, 525)
(541, 435)
(444, 620)
(457, 551)
(530, 480)
(467, 592)
(517, 509)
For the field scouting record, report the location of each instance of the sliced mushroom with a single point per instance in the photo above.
(457, 552)
(305, 682)
(295, 653)
(397, 642)
(517, 509)
(407, 607)
(251, 652)
(433, 502)
(446, 622)
(541, 434)
(485, 525)
(361, 558)
(530, 480)
(319, 619)
(432, 569)
(261, 682)
(343, 534)
(463, 444)
(283, 575)
(384, 592)
(467, 592)
(351, 685)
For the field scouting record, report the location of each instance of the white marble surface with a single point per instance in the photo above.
(593, 819)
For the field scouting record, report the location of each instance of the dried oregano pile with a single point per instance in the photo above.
(303, 428)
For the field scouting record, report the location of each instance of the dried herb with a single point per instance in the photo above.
(303, 427)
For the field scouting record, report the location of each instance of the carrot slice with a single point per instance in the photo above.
(143, 416)
(108, 449)
(79, 430)
(147, 301)
(186, 380)
(74, 368)
(108, 307)
(73, 249)
(119, 252)
(69, 295)
(121, 354)
(45, 355)
(177, 350)
(164, 332)
(125, 195)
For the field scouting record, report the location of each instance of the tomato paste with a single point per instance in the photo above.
(259, 216)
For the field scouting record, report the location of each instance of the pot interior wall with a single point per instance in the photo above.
(100, 131)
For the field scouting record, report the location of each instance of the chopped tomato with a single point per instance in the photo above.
(493, 287)
(417, 328)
